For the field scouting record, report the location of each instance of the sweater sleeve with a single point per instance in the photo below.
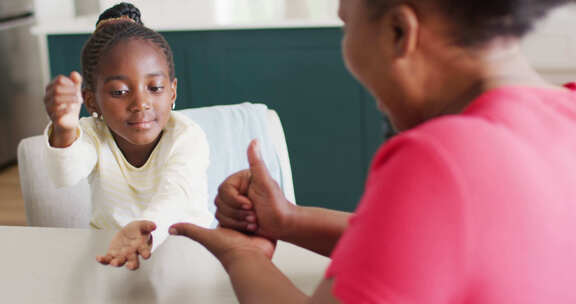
(406, 242)
(67, 166)
(182, 195)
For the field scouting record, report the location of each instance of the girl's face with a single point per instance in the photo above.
(133, 92)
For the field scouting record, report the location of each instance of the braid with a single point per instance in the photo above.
(107, 35)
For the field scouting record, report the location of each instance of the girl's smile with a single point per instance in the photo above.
(142, 124)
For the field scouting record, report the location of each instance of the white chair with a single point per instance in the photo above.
(229, 130)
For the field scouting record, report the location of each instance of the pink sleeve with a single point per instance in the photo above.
(407, 241)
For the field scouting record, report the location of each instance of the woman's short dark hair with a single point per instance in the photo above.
(118, 23)
(479, 21)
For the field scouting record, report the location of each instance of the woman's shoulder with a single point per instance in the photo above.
(449, 129)
(453, 140)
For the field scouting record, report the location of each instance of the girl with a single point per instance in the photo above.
(146, 165)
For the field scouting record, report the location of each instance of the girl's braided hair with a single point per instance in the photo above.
(118, 23)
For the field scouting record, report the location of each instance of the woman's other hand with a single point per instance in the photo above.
(252, 201)
(134, 240)
(225, 244)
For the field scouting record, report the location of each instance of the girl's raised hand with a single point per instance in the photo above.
(63, 102)
(134, 240)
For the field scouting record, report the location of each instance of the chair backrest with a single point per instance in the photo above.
(229, 130)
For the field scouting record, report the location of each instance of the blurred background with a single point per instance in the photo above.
(284, 53)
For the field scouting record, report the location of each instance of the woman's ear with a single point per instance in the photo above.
(406, 26)
(90, 101)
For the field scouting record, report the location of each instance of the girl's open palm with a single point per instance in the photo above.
(133, 240)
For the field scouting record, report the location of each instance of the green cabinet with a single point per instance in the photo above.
(331, 123)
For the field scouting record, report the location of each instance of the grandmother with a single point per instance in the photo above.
(474, 201)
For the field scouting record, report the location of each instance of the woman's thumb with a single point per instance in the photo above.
(258, 168)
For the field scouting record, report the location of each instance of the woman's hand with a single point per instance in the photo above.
(63, 102)
(225, 244)
(252, 201)
(133, 240)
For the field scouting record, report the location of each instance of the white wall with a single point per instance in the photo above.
(48, 10)
(552, 47)
(198, 11)
(247, 11)
(188, 12)
(234, 11)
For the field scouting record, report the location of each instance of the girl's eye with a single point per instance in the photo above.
(156, 89)
(119, 92)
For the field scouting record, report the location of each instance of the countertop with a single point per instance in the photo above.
(57, 265)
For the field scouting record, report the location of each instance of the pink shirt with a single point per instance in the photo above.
(472, 208)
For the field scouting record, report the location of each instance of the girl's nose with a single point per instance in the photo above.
(140, 103)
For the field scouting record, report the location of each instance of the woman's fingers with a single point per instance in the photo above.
(234, 209)
(230, 193)
(234, 213)
(236, 219)
(231, 223)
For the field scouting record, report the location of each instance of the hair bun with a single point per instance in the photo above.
(123, 9)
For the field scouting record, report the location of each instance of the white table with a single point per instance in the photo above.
(55, 265)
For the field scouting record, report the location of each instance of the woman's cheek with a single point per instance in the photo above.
(348, 56)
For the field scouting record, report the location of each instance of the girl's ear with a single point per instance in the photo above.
(90, 101)
(174, 88)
